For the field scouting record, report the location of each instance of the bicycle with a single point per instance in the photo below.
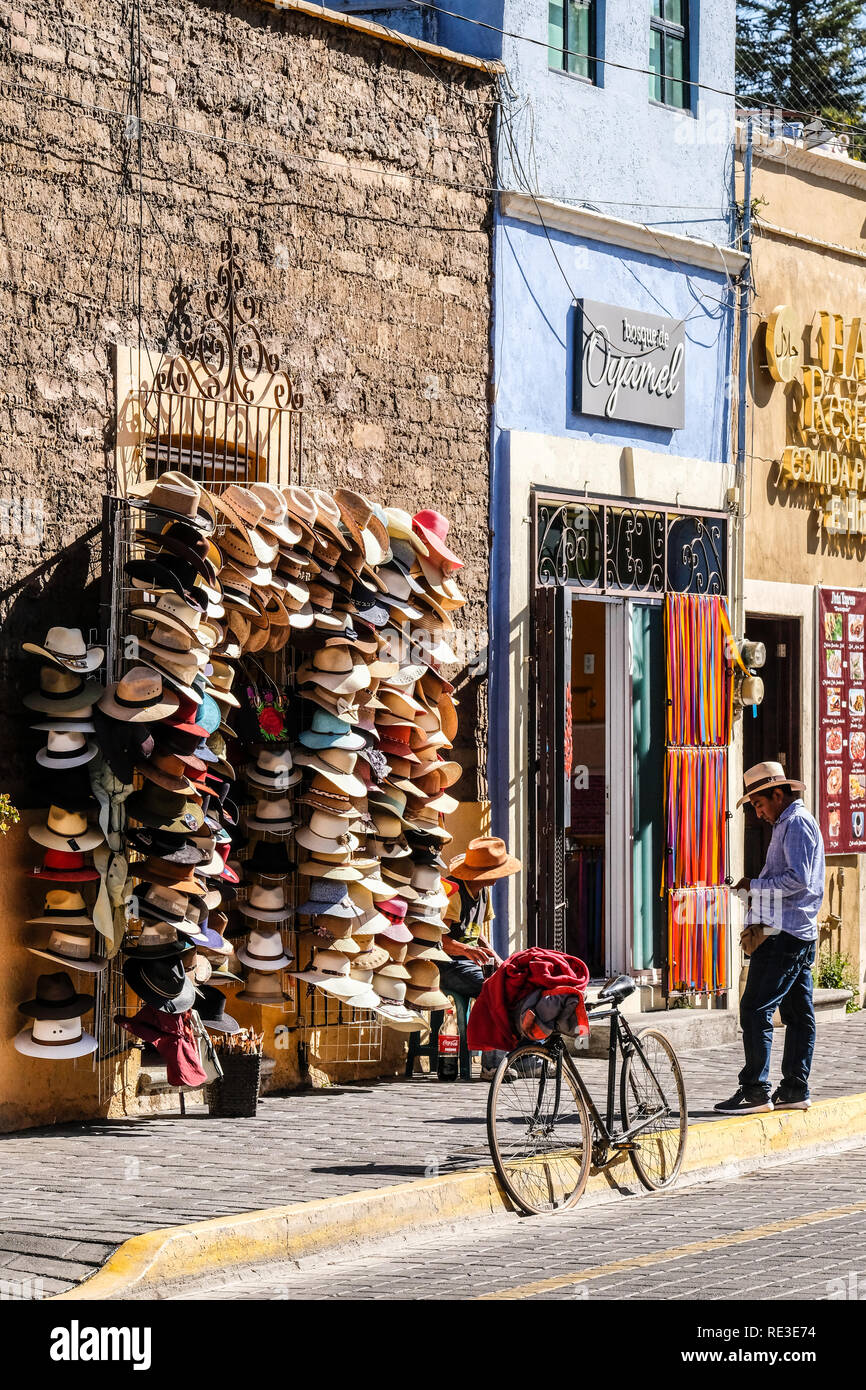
(545, 1131)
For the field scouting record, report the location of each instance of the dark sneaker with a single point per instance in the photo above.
(786, 1100)
(742, 1103)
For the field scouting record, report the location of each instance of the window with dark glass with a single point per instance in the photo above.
(669, 53)
(571, 37)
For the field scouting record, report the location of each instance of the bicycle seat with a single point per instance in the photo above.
(617, 990)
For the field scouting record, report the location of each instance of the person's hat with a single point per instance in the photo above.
(264, 950)
(330, 971)
(164, 810)
(765, 776)
(138, 697)
(65, 647)
(276, 816)
(66, 830)
(392, 1005)
(73, 946)
(177, 497)
(485, 860)
(273, 768)
(423, 990)
(264, 990)
(64, 866)
(266, 904)
(64, 693)
(161, 982)
(211, 1009)
(433, 527)
(56, 997)
(66, 750)
(63, 908)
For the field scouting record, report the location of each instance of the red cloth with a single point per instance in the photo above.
(490, 1020)
(173, 1037)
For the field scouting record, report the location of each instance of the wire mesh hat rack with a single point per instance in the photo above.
(221, 411)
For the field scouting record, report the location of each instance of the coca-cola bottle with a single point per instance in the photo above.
(448, 1047)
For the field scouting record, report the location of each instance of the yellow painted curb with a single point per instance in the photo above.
(145, 1265)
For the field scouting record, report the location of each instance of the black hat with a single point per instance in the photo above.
(56, 997)
(177, 576)
(161, 983)
(160, 844)
(122, 744)
(211, 1011)
(270, 858)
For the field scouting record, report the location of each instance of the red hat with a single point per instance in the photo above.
(432, 527)
(63, 866)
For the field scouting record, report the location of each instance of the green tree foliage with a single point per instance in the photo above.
(804, 56)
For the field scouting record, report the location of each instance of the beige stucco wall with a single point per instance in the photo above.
(821, 198)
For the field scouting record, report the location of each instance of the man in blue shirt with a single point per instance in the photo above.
(779, 938)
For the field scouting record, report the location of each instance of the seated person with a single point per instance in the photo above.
(469, 916)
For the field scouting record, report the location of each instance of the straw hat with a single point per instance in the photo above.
(276, 816)
(330, 971)
(433, 527)
(764, 776)
(392, 1005)
(63, 909)
(424, 991)
(63, 692)
(273, 769)
(72, 946)
(66, 830)
(66, 750)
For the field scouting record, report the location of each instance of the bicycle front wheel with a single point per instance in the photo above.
(650, 1088)
(539, 1131)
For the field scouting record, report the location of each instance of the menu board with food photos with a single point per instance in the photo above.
(842, 719)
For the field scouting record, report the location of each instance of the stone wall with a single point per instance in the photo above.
(355, 175)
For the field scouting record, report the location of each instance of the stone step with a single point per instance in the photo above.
(685, 1028)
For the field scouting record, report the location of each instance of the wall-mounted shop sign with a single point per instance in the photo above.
(629, 366)
(825, 360)
(842, 719)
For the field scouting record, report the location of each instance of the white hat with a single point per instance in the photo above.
(66, 750)
(369, 999)
(55, 1038)
(274, 769)
(392, 1006)
(66, 830)
(72, 947)
(66, 647)
(328, 834)
(264, 951)
(765, 776)
(330, 971)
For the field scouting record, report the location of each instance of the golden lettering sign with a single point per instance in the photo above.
(826, 446)
(781, 343)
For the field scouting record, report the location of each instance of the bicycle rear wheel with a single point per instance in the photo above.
(539, 1131)
(644, 1090)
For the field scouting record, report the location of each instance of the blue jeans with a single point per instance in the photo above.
(780, 976)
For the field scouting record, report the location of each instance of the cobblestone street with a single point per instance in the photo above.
(73, 1193)
(784, 1234)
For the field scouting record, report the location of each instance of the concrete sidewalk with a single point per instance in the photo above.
(72, 1194)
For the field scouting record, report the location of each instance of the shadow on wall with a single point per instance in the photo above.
(62, 590)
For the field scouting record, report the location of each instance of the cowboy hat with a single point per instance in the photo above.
(175, 496)
(765, 776)
(65, 647)
(138, 697)
(485, 860)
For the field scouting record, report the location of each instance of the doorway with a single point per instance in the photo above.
(772, 730)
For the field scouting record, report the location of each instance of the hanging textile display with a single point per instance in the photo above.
(266, 777)
(699, 657)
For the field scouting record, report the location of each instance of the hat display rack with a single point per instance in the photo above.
(281, 652)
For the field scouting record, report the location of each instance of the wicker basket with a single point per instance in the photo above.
(236, 1092)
